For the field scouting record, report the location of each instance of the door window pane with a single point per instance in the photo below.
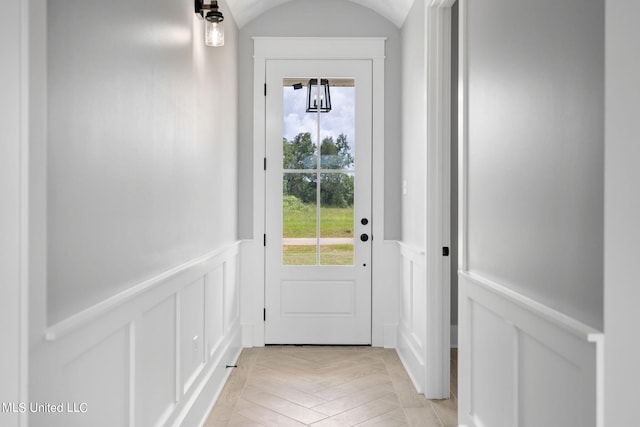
(318, 223)
(300, 138)
(299, 219)
(337, 127)
(336, 219)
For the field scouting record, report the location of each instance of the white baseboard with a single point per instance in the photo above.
(409, 352)
(247, 335)
(390, 335)
(198, 408)
(412, 333)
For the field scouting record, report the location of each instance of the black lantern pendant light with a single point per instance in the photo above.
(318, 97)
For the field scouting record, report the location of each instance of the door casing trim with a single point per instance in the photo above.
(330, 48)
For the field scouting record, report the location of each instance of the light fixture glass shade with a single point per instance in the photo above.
(213, 33)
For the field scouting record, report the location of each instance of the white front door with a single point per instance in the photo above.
(318, 202)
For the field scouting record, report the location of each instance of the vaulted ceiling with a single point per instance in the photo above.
(244, 11)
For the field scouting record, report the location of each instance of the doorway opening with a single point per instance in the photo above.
(455, 246)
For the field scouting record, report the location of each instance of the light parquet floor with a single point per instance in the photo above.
(327, 386)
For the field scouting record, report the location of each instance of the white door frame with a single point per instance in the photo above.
(438, 308)
(14, 359)
(330, 48)
(23, 194)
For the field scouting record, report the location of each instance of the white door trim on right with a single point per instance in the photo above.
(438, 205)
(23, 193)
(13, 214)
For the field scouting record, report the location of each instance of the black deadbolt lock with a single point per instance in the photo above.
(364, 237)
(364, 221)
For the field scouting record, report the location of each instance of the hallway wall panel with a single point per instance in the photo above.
(412, 334)
(141, 360)
(536, 149)
(414, 127)
(522, 363)
(155, 344)
(141, 145)
(531, 296)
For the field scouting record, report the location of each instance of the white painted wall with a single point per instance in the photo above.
(622, 210)
(142, 293)
(335, 18)
(536, 98)
(531, 293)
(412, 326)
(142, 146)
(423, 342)
(414, 126)
(12, 143)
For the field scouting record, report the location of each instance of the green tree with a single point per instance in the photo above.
(336, 155)
(299, 153)
(336, 188)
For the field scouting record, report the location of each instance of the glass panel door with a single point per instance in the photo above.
(318, 190)
(318, 202)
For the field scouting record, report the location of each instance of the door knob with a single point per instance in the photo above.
(364, 237)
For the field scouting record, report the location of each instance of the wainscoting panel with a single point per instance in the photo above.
(522, 363)
(155, 362)
(192, 349)
(214, 292)
(413, 320)
(231, 296)
(155, 355)
(88, 386)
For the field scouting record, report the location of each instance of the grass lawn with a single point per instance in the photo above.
(301, 221)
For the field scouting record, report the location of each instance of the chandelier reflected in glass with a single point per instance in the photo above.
(318, 96)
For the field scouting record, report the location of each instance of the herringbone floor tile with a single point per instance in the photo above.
(315, 386)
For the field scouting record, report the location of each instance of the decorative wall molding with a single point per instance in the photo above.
(384, 295)
(411, 345)
(518, 350)
(108, 305)
(153, 355)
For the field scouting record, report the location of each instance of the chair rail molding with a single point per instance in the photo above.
(155, 354)
(517, 351)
